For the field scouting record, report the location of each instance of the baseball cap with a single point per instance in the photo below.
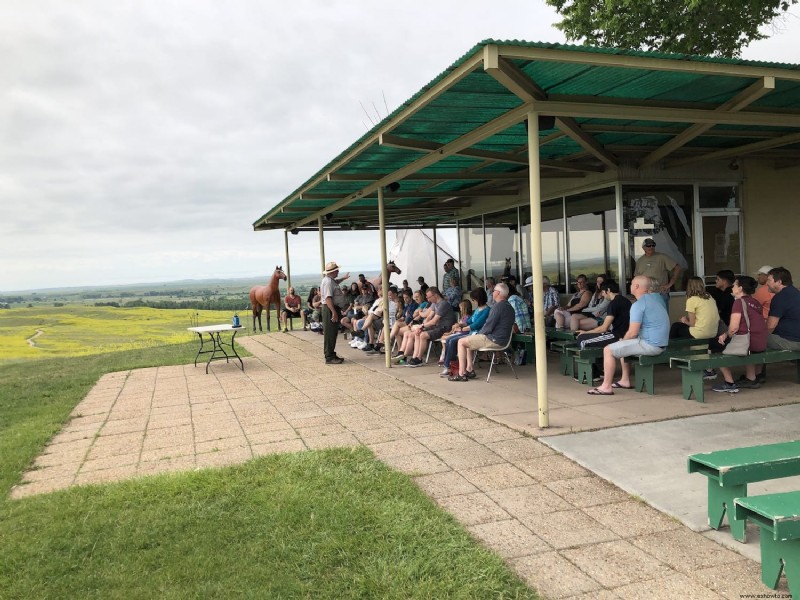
(765, 270)
(649, 243)
(529, 281)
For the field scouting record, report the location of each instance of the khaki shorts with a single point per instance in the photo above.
(478, 341)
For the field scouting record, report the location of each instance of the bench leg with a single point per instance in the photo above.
(692, 382)
(585, 370)
(720, 501)
(643, 378)
(777, 557)
(565, 362)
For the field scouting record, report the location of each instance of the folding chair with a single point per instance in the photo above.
(505, 358)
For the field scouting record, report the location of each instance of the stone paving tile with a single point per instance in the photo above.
(427, 429)
(498, 433)
(109, 462)
(530, 500)
(631, 518)
(57, 472)
(553, 576)
(340, 440)
(371, 437)
(599, 595)
(684, 550)
(586, 491)
(398, 447)
(295, 445)
(167, 452)
(469, 457)
(166, 465)
(510, 539)
(60, 458)
(666, 588)
(521, 448)
(440, 485)
(45, 486)
(448, 441)
(425, 463)
(106, 475)
(736, 580)
(553, 467)
(230, 456)
(568, 528)
(616, 563)
(219, 445)
(497, 477)
(473, 509)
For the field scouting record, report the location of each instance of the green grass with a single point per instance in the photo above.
(328, 524)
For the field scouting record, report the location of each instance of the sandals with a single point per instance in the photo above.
(457, 378)
(617, 385)
(599, 392)
(470, 375)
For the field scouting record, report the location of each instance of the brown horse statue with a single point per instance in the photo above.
(263, 296)
(378, 281)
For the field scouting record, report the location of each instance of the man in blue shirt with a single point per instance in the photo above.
(648, 335)
(783, 322)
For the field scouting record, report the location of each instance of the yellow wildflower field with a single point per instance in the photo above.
(74, 330)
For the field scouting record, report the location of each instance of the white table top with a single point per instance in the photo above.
(214, 328)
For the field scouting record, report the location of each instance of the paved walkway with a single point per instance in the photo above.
(567, 532)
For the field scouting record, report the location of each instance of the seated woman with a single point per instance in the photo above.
(472, 325)
(579, 301)
(702, 317)
(292, 309)
(405, 337)
(594, 313)
(411, 300)
(308, 311)
(743, 288)
(361, 304)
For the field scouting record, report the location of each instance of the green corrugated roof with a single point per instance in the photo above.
(627, 79)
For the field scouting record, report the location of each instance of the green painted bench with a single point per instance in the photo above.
(645, 365)
(778, 516)
(527, 340)
(565, 361)
(729, 472)
(692, 367)
(583, 360)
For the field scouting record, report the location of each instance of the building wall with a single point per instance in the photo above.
(771, 217)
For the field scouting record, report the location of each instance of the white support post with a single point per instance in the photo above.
(286, 255)
(539, 338)
(387, 346)
(321, 245)
(436, 259)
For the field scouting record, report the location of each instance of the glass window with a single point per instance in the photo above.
(663, 213)
(470, 240)
(502, 244)
(721, 244)
(725, 196)
(553, 261)
(593, 240)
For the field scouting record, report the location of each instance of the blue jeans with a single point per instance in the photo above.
(451, 347)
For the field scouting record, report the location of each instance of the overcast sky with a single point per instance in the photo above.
(140, 140)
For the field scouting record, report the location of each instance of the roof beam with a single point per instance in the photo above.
(518, 82)
(511, 117)
(631, 61)
(600, 110)
(467, 193)
(461, 175)
(735, 104)
(642, 129)
(786, 140)
(520, 159)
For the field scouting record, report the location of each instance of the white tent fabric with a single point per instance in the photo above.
(412, 251)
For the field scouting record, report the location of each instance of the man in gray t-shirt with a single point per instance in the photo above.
(440, 322)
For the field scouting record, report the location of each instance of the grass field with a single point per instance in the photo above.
(328, 524)
(82, 330)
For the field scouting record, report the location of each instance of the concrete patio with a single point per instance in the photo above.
(471, 447)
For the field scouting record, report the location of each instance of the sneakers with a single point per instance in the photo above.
(354, 342)
(710, 374)
(445, 373)
(414, 362)
(398, 358)
(372, 352)
(744, 383)
(730, 388)
(367, 347)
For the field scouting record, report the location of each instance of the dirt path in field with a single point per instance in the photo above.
(30, 341)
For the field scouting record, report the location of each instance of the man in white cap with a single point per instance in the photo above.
(763, 293)
(333, 301)
(658, 266)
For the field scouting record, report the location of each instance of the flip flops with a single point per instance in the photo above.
(599, 392)
(617, 385)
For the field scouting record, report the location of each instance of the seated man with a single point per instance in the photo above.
(648, 335)
(614, 325)
(522, 318)
(292, 310)
(359, 309)
(375, 314)
(440, 320)
(495, 333)
(783, 323)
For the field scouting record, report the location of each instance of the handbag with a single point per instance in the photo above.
(739, 344)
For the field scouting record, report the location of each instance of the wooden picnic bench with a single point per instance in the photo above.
(778, 517)
(692, 367)
(729, 472)
(645, 365)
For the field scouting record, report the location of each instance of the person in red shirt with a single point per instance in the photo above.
(291, 309)
(763, 294)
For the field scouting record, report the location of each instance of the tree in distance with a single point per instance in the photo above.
(705, 27)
